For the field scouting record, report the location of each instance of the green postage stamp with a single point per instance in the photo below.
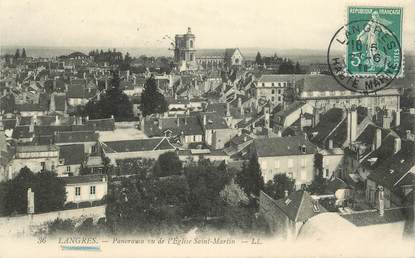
(374, 42)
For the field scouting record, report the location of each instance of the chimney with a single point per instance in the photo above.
(279, 133)
(351, 125)
(112, 117)
(386, 120)
(408, 134)
(396, 145)
(330, 144)
(397, 118)
(370, 113)
(87, 118)
(32, 127)
(381, 201)
(57, 120)
(160, 123)
(285, 194)
(80, 120)
(266, 117)
(185, 120)
(52, 106)
(316, 117)
(178, 121)
(239, 102)
(378, 138)
(30, 201)
(228, 110)
(204, 119)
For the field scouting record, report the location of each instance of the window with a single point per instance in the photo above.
(264, 165)
(277, 164)
(303, 163)
(272, 91)
(279, 98)
(290, 163)
(43, 165)
(303, 175)
(191, 45)
(92, 190)
(279, 91)
(93, 148)
(263, 84)
(77, 191)
(273, 84)
(68, 168)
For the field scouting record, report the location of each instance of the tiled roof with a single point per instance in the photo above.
(213, 121)
(380, 155)
(320, 83)
(290, 109)
(283, 146)
(70, 180)
(372, 217)
(27, 107)
(22, 132)
(78, 136)
(276, 78)
(137, 145)
(72, 154)
(79, 91)
(36, 148)
(106, 124)
(327, 124)
(60, 101)
(395, 168)
(299, 206)
(188, 125)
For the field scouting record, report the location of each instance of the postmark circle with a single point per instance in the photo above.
(364, 56)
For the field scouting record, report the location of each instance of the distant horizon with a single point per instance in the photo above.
(295, 24)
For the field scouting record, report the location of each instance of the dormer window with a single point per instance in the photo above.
(303, 149)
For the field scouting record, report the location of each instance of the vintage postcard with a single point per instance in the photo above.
(221, 128)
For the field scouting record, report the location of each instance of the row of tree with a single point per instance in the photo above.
(20, 55)
(49, 192)
(114, 102)
(285, 65)
(172, 196)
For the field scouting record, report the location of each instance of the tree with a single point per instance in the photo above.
(152, 101)
(286, 67)
(258, 59)
(113, 103)
(49, 191)
(168, 164)
(23, 53)
(16, 199)
(17, 54)
(250, 178)
(297, 69)
(276, 187)
(233, 195)
(205, 182)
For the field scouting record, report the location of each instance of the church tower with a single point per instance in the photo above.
(184, 51)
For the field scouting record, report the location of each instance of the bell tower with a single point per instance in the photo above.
(185, 51)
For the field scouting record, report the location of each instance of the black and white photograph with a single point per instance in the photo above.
(221, 128)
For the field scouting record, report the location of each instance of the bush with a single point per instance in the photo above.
(59, 226)
(84, 204)
(70, 205)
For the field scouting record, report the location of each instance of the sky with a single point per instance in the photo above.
(283, 24)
